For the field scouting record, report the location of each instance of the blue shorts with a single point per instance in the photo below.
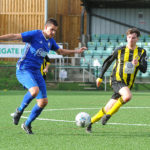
(29, 78)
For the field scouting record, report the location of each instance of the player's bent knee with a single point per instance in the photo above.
(34, 91)
(42, 102)
(127, 98)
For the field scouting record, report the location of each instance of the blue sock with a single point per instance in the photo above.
(25, 102)
(36, 111)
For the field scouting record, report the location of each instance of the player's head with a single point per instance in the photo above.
(132, 36)
(133, 30)
(51, 21)
(50, 28)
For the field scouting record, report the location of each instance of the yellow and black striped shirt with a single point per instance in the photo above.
(123, 55)
(45, 62)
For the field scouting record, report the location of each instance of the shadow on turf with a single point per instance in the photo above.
(123, 134)
(98, 134)
(101, 133)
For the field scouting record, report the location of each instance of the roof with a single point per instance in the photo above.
(116, 3)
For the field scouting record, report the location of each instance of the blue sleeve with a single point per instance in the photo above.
(55, 47)
(27, 36)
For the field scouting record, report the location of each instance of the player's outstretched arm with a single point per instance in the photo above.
(67, 52)
(10, 37)
(105, 66)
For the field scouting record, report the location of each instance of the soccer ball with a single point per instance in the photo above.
(83, 119)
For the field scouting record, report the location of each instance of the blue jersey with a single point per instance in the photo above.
(36, 48)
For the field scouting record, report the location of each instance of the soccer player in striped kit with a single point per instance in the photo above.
(45, 66)
(128, 60)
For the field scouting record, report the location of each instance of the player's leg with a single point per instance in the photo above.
(105, 109)
(26, 78)
(94, 119)
(121, 96)
(31, 94)
(36, 111)
(42, 101)
(101, 113)
(112, 107)
(126, 95)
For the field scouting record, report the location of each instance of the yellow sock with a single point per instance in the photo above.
(116, 107)
(98, 116)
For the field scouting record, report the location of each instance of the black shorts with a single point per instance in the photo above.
(44, 76)
(117, 85)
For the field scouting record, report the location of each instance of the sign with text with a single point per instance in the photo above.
(11, 50)
(16, 50)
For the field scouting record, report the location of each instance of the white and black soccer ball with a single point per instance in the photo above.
(83, 119)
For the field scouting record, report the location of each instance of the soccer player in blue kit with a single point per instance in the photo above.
(38, 44)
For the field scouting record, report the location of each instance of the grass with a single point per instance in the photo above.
(133, 132)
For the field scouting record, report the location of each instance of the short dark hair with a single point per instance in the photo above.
(133, 30)
(51, 21)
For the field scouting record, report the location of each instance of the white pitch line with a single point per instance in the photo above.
(59, 109)
(126, 124)
(66, 109)
(46, 119)
(122, 124)
(135, 107)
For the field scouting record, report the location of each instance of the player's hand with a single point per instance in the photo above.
(98, 81)
(135, 61)
(82, 49)
(45, 70)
